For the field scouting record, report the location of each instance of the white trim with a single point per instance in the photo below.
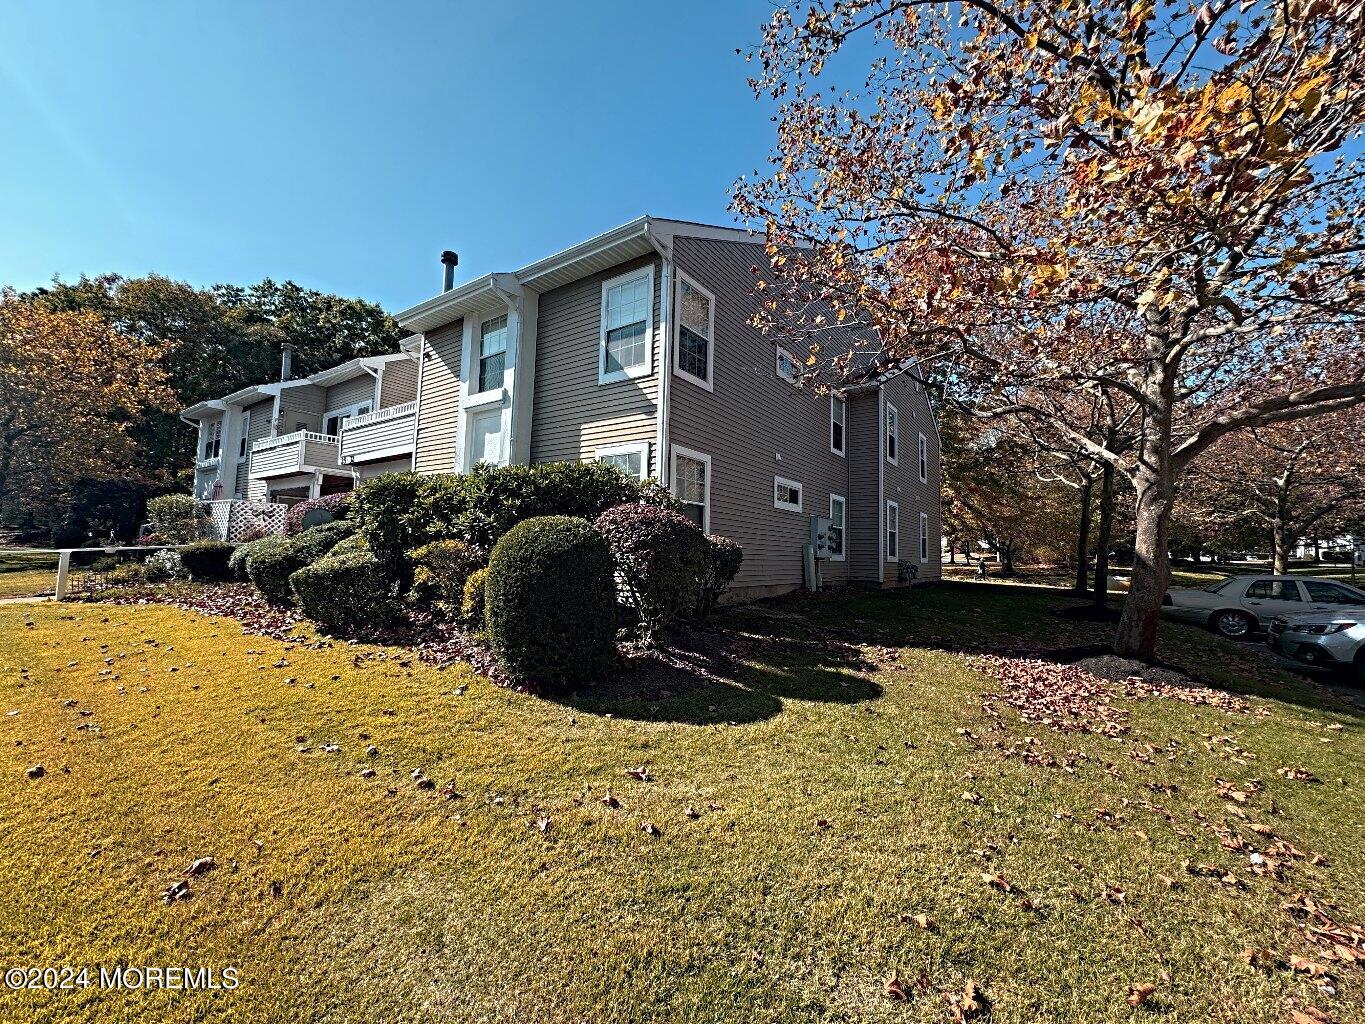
(893, 519)
(842, 556)
(709, 382)
(888, 415)
(476, 365)
(881, 482)
(345, 412)
(923, 538)
(640, 448)
(786, 506)
(634, 372)
(843, 424)
(696, 456)
(778, 352)
(662, 411)
(922, 453)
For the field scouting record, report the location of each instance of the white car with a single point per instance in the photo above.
(1243, 604)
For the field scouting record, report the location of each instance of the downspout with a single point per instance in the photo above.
(665, 357)
(417, 412)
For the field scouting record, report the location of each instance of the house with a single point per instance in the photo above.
(636, 348)
(294, 439)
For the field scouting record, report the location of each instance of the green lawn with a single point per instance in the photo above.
(804, 807)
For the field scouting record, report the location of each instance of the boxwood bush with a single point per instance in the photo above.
(660, 558)
(241, 557)
(271, 565)
(346, 588)
(207, 560)
(723, 559)
(442, 568)
(471, 607)
(550, 602)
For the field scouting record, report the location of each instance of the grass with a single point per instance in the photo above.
(826, 775)
(27, 573)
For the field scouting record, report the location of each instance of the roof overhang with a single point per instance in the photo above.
(203, 410)
(252, 394)
(482, 295)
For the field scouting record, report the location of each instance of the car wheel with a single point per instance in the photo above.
(1233, 625)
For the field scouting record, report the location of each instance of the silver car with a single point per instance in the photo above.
(1327, 640)
(1241, 605)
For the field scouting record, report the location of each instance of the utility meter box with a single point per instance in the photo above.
(821, 538)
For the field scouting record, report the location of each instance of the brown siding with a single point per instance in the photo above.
(439, 414)
(864, 485)
(755, 426)
(352, 392)
(301, 404)
(398, 382)
(573, 413)
(901, 482)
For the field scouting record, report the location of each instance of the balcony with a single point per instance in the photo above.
(382, 434)
(300, 452)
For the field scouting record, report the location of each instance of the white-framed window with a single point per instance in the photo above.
(923, 459)
(631, 459)
(244, 442)
(627, 315)
(893, 435)
(213, 439)
(694, 348)
(838, 508)
(333, 418)
(838, 423)
(893, 531)
(690, 473)
(492, 354)
(786, 494)
(786, 365)
(924, 537)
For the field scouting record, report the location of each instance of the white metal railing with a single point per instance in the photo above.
(209, 463)
(297, 437)
(391, 412)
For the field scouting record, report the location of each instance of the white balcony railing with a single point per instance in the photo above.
(299, 452)
(383, 434)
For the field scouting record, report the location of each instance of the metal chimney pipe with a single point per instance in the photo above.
(449, 261)
(286, 359)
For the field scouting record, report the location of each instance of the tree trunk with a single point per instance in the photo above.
(1279, 532)
(1103, 535)
(1154, 482)
(1006, 560)
(1083, 537)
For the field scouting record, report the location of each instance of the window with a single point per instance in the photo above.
(923, 459)
(837, 419)
(245, 440)
(213, 440)
(836, 527)
(630, 459)
(492, 353)
(1273, 590)
(893, 531)
(691, 476)
(627, 308)
(333, 418)
(924, 537)
(1330, 593)
(694, 352)
(787, 367)
(786, 494)
(893, 434)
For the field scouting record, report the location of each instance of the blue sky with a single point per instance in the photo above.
(345, 144)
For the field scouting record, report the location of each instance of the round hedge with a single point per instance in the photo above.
(550, 601)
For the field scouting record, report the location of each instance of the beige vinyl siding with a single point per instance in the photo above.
(262, 425)
(352, 392)
(398, 382)
(370, 470)
(573, 414)
(301, 404)
(901, 482)
(864, 498)
(750, 419)
(438, 415)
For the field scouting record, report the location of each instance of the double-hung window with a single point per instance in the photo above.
(893, 531)
(691, 476)
(244, 443)
(492, 353)
(924, 537)
(837, 507)
(627, 311)
(630, 459)
(923, 459)
(213, 440)
(786, 494)
(694, 353)
(893, 434)
(334, 418)
(838, 419)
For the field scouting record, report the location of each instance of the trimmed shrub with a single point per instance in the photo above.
(127, 574)
(241, 558)
(660, 558)
(344, 589)
(207, 559)
(177, 517)
(550, 602)
(270, 566)
(337, 506)
(442, 567)
(471, 607)
(163, 566)
(723, 559)
(388, 511)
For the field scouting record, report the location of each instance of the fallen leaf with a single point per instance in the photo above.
(1139, 994)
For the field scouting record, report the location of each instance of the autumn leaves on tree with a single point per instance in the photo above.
(1154, 203)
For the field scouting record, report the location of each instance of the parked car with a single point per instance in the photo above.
(1241, 605)
(1331, 640)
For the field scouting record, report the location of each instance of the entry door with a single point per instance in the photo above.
(485, 438)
